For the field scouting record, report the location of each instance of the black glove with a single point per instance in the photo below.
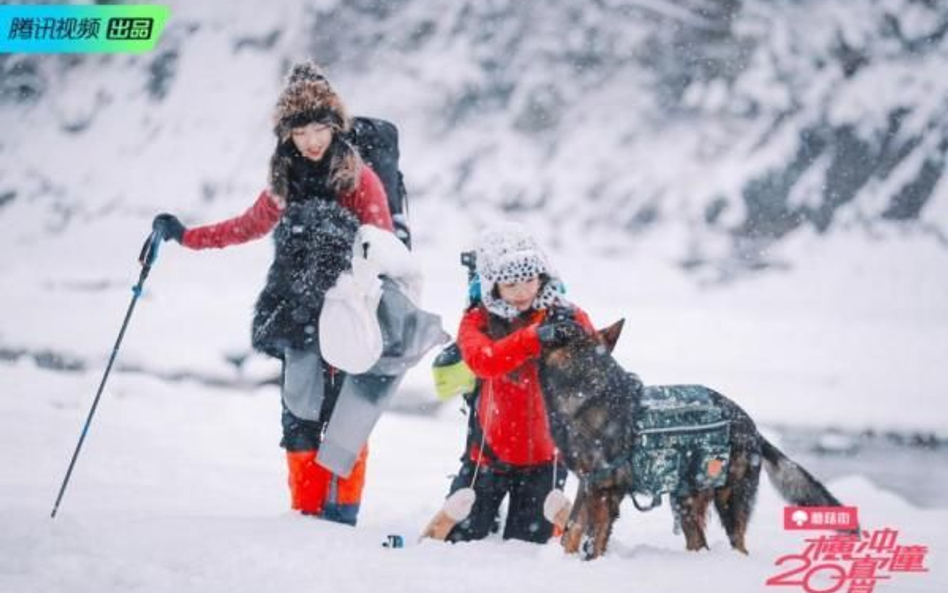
(556, 334)
(168, 226)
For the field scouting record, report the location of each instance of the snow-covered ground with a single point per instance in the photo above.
(181, 486)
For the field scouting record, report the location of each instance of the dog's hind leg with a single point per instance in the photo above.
(694, 512)
(727, 511)
(735, 500)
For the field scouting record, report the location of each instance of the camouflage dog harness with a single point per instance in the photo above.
(680, 443)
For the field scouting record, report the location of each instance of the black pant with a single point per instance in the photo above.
(527, 488)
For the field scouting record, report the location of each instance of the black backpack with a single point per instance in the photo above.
(377, 143)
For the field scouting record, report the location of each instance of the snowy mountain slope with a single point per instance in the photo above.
(740, 121)
(94, 146)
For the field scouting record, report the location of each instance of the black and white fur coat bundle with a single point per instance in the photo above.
(313, 246)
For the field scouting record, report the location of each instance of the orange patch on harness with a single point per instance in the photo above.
(714, 467)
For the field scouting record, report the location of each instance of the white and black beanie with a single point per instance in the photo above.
(507, 253)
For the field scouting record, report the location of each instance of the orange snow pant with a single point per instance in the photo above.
(314, 490)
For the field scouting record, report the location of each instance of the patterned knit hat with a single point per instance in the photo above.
(308, 97)
(507, 253)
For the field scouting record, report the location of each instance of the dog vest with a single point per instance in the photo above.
(680, 443)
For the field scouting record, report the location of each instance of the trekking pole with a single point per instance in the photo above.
(146, 258)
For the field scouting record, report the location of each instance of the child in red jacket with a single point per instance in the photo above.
(320, 191)
(510, 452)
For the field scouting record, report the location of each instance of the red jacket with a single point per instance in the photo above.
(367, 201)
(510, 406)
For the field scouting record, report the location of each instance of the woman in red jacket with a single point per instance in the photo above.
(510, 452)
(319, 192)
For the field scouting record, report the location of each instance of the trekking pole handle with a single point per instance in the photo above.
(148, 256)
(149, 252)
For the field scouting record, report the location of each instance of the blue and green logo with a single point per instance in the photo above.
(80, 29)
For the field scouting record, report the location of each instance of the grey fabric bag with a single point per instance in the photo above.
(408, 333)
(303, 383)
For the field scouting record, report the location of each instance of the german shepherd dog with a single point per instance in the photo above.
(590, 402)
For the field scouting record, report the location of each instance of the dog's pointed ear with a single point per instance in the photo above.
(610, 335)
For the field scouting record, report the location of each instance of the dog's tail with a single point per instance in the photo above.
(794, 483)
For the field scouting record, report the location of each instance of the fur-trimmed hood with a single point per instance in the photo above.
(307, 98)
(508, 253)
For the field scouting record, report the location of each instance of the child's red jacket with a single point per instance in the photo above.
(510, 406)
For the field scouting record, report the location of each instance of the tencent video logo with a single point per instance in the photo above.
(80, 29)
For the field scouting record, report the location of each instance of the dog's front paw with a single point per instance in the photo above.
(571, 538)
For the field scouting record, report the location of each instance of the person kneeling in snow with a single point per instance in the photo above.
(320, 192)
(509, 451)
